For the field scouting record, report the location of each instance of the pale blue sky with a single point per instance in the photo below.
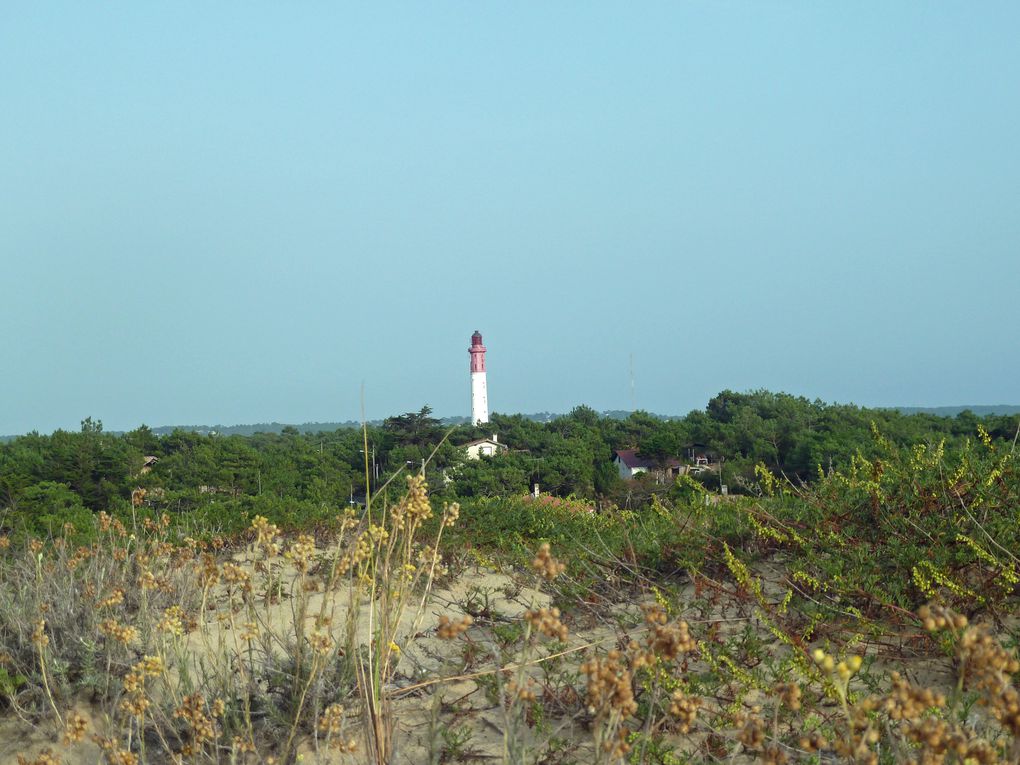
(239, 212)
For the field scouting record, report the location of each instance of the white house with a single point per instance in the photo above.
(629, 464)
(484, 447)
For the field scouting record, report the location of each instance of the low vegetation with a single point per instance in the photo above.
(868, 614)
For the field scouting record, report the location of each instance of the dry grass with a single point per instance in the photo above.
(143, 647)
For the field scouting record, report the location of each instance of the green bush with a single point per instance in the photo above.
(45, 508)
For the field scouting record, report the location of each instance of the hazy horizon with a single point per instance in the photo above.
(245, 213)
(979, 409)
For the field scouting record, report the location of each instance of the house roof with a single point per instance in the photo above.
(630, 458)
(480, 441)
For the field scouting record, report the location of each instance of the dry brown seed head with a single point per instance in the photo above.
(448, 629)
(331, 720)
(685, 709)
(813, 742)
(321, 642)
(789, 695)
(545, 565)
(75, 729)
(39, 636)
(752, 735)
(45, 757)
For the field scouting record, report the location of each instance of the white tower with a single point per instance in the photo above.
(479, 392)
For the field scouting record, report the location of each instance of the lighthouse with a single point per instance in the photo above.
(479, 392)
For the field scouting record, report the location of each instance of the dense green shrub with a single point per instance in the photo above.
(901, 528)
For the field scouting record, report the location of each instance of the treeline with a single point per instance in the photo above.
(297, 477)
(791, 435)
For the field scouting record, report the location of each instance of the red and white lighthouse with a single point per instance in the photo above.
(479, 392)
